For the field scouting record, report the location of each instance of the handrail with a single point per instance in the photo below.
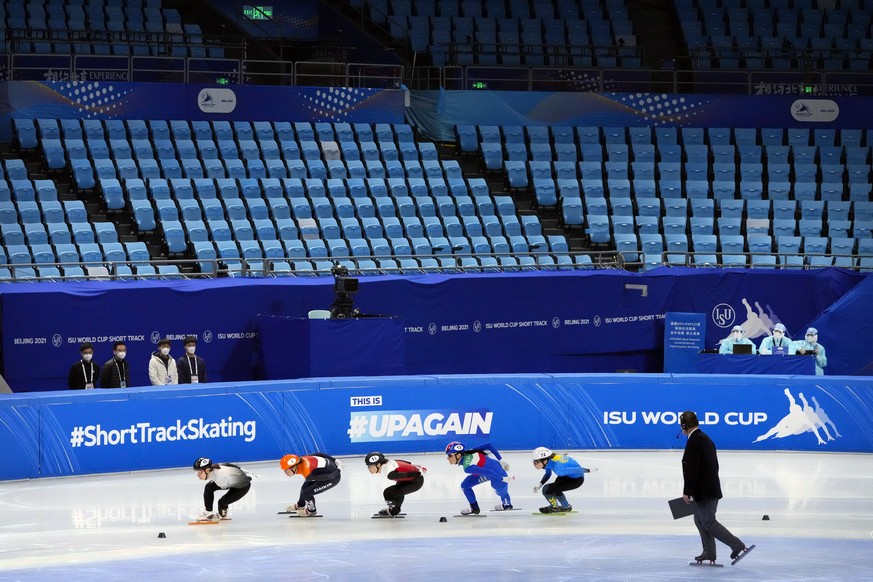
(282, 266)
(668, 258)
(820, 83)
(275, 266)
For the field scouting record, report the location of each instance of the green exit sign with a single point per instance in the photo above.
(258, 12)
(480, 85)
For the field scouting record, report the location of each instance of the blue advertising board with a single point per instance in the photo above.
(134, 429)
(438, 112)
(96, 99)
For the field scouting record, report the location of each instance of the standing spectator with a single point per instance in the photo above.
(116, 372)
(162, 368)
(702, 485)
(810, 346)
(84, 373)
(192, 368)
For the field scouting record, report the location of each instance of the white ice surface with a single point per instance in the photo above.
(106, 527)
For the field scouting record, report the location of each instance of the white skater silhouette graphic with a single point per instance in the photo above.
(756, 324)
(797, 421)
(813, 417)
(753, 326)
(773, 317)
(765, 319)
(825, 419)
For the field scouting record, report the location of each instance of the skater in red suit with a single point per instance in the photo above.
(702, 485)
(408, 478)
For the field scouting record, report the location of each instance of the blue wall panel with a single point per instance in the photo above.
(93, 432)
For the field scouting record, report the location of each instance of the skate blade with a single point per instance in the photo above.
(555, 513)
(706, 564)
(208, 521)
(470, 515)
(743, 555)
(398, 516)
(305, 516)
(502, 510)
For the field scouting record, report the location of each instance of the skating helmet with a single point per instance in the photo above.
(202, 463)
(289, 461)
(541, 454)
(375, 458)
(455, 447)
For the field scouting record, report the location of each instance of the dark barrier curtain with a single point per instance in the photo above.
(482, 323)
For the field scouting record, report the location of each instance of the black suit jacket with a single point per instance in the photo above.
(700, 468)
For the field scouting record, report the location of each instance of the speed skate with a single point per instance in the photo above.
(380, 516)
(742, 554)
(706, 563)
(208, 521)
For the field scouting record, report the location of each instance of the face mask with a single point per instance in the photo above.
(165, 351)
(120, 355)
(737, 335)
(191, 349)
(87, 357)
(811, 339)
(777, 334)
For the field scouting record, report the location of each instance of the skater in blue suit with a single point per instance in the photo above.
(570, 475)
(481, 468)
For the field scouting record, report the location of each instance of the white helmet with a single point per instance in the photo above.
(541, 454)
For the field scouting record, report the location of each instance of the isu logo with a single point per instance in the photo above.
(723, 315)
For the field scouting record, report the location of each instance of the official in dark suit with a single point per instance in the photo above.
(700, 471)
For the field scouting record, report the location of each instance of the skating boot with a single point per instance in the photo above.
(502, 507)
(474, 510)
(550, 509)
(738, 555)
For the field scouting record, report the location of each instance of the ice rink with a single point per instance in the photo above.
(106, 527)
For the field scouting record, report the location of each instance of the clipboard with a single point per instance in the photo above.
(680, 509)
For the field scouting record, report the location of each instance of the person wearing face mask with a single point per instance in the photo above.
(84, 373)
(192, 368)
(775, 344)
(727, 346)
(116, 372)
(162, 368)
(810, 346)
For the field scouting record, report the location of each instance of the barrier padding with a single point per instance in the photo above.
(72, 433)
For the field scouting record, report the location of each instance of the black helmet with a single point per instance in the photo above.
(375, 458)
(202, 463)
